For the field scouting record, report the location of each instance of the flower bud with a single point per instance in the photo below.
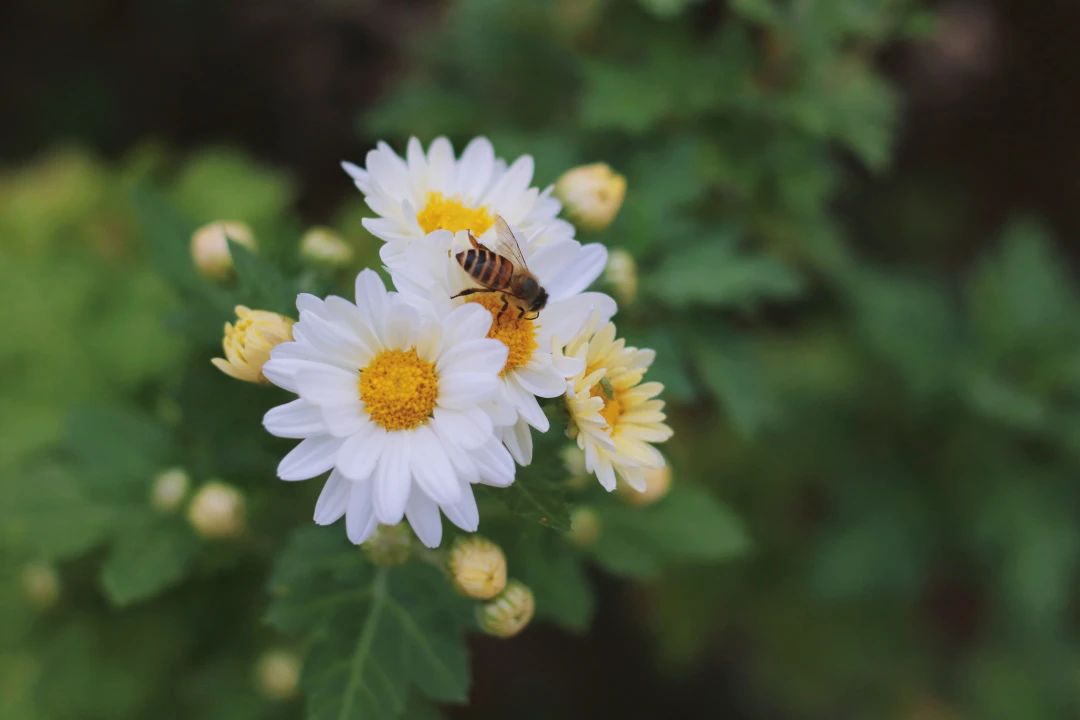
(277, 674)
(217, 511)
(592, 194)
(584, 526)
(657, 484)
(478, 567)
(248, 343)
(509, 612)
(388, 545)
(323, 246)
(40, 585)
(621, 275)
(210, 247)
(169, 489)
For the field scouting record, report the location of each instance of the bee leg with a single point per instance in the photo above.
(470, 291)
(506, 303)
(521, 312)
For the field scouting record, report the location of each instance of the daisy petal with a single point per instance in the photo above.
(423, 515)
(393, 479)
(297, 419)
(311, 457)
(360, 515)
(333, 499)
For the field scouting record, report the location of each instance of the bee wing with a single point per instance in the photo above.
(506, 244)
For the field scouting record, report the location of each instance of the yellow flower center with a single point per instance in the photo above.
(517, 333)
(612, 407)
(399, 389)
(443, 213)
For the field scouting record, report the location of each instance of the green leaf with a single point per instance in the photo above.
(715, 273)
(538, 494)
(1022, 294)
(539, 500)
(734, 375)
(48, 512)
(262, 286)
(688, 525)
(147, 556)
(121, 447)
(374, 632)
(910, 323)
(557, 578)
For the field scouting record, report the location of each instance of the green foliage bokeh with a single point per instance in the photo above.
(896, 449)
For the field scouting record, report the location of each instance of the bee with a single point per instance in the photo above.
(503, 271)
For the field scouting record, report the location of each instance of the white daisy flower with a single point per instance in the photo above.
(428, 275)
(613, 415)
(424, 192)
(392, 402)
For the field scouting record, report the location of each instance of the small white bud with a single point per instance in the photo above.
(210, 247)
(323, 246)
(169, 489)
(657, 485)
(217, 511)
(277, 674)
(40, 585)
(592, 194)
(584, 526)
(389, 545)
(621, 275)
(478, 567)
(509, 612)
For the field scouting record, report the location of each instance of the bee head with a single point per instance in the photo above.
(540, 301)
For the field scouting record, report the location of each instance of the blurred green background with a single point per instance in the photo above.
(853, 225)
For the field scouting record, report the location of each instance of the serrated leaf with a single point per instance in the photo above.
(687, 525)
(118, 445)
(716, 273)
(148, 555)
(375, 632)
(539, 500)
(1022, 293)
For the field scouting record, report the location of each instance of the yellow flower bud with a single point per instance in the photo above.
(388, 545)
(323, 246)
(277, 674)
(509, 613)
(248, 343)
(478, 567)
(657, 484)
(584, 526)
(621, 275)
(217, 511)
(40, 585)
(210, 247)
(169, 489)
(592, 194)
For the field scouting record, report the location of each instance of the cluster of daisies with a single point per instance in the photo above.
(409, 397)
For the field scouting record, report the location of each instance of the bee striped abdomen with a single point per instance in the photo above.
(486, 267)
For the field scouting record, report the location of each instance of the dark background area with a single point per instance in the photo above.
(987, 131)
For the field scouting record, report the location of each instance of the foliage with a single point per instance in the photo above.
(896, 450)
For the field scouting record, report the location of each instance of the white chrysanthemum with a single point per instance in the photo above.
(423, 192)
(428, 276)
(613, 415)
(392, 402)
